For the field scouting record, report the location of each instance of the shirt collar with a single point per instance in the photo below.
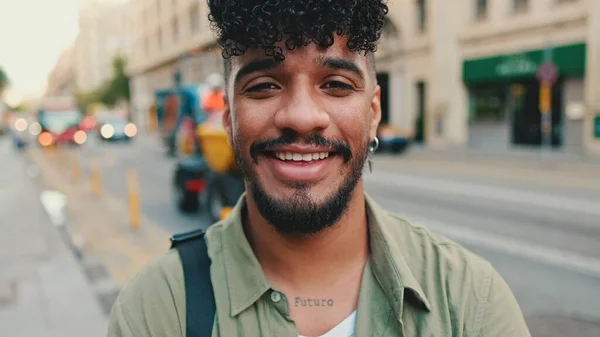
(247, 282)
(245, 278)
(389, 255)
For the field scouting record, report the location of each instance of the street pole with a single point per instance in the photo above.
(547, 75)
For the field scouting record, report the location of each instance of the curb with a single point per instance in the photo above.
(109, 253)
(552, 177)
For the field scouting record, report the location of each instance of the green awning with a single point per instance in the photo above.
(569, 59)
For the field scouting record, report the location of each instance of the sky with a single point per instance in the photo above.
(33, 34)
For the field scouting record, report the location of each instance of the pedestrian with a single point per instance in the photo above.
(306, 252)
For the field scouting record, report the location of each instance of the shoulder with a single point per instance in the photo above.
(448, 273)
(154, 300)
(454, 278)
(428, 244)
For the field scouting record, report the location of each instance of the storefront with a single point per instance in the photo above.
(504, 95)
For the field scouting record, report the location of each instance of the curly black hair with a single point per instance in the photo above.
(246, 24)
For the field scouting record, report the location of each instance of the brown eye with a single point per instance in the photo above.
(337, 85)
(262, 87)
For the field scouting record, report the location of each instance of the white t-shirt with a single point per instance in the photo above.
(344, 329)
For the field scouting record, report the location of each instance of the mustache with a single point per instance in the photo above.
(340, 147)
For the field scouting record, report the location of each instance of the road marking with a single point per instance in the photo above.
(54, 202)
(514, 196)
(510, 246)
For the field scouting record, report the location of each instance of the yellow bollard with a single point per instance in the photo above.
(75, 168)
(96, 178)
(63, 158)
(52, 151)
(134, 200)
(225, 212)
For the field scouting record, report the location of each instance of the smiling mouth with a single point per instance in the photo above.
(299, 157)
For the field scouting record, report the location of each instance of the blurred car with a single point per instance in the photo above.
(88, 124)
(116, 129)
(391, 140)
(18, 132)
(59, 121)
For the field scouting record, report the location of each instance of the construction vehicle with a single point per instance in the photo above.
(206, 175)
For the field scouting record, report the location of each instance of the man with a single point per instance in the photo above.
(306, 252)
(212, 99)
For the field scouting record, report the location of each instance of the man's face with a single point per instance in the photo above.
(300, 131)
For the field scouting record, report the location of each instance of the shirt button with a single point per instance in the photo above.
(275, 297)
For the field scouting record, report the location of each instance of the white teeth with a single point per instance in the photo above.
(301, 156)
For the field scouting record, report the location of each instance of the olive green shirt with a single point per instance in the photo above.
(416, 283)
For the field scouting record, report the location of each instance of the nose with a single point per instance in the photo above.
(303, 112)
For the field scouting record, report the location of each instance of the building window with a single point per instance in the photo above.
(194, 19)
(520, 6)
(175, 29)
(421, 15)
(481, 7)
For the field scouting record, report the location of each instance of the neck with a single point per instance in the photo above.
(306, 260)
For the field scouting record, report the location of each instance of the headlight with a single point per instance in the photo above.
(80, 137)
(21, 124)
(35, 129)
(107, 131)
(45, 139)
(130, 130)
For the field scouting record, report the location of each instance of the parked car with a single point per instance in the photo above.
(392, 140)
(116, 129)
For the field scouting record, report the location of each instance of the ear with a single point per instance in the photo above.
(375, 114)
(227, 120)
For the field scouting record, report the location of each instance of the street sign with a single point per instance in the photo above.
(597, 126)
(547, 72)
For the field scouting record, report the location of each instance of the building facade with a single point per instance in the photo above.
(104, 32)
(457, 73)
(464, 73)
(61, 80)
(169, 36)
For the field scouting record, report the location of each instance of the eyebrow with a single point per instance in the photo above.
(341, 64)
(270, 63)
(256, 66)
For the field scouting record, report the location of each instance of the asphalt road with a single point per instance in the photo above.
(545, 241)
(154, 170)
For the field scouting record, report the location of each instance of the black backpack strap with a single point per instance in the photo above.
(199, 296)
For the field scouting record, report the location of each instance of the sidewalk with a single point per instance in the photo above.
(551, 169)
(99, 226)
(43, 289)
(514, 156)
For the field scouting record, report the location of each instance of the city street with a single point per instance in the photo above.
(543, 238)
(154, 169)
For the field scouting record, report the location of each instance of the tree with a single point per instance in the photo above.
(111, 91)
(116, 88)
(4, 81)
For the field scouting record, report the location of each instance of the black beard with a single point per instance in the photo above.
(299, 214)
